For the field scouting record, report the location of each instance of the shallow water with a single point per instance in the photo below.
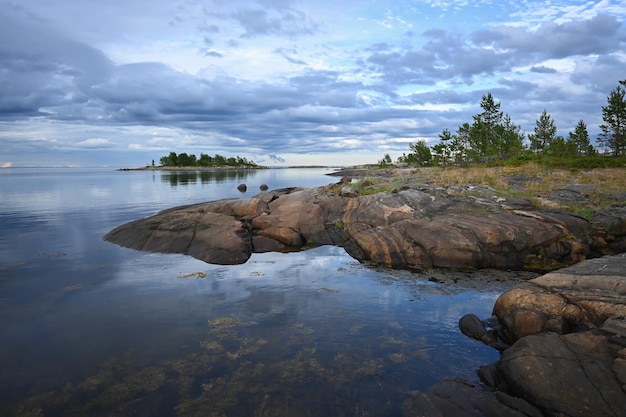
(90, 328)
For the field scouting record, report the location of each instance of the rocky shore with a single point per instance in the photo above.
(562, 335)
(413, 226)
(563, 342)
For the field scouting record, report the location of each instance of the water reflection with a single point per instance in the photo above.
(176, 178)
(90, 328)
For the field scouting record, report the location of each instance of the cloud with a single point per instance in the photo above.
(43, 69)
(542, 69)
(214, 54)
(276, 158)
(599, 35)
(256, 22)
(278, 77)
(95, 143)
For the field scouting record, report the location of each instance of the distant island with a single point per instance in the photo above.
(205, 161)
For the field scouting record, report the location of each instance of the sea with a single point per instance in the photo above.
(89, 328)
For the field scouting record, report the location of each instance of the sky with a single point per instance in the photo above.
(120, 83)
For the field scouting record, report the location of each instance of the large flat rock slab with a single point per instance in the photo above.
(409, 229)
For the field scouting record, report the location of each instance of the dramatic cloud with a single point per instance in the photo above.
(290, 82)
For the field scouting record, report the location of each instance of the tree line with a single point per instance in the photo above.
(493, 137)
(205, 160)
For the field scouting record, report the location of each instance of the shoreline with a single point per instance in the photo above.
(231, 168)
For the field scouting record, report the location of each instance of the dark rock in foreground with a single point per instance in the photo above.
(568, 352)
(405, 229)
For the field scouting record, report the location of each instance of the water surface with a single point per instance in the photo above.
(90, 328)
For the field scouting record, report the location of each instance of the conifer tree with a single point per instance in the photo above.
(613, 135)
(579, 140)
(545, 133)
(483, 136)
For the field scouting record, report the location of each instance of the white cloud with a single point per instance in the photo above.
(95, 143)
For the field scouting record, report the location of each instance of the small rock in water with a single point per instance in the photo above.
(242, 188)
(471, 326)
(263, 187)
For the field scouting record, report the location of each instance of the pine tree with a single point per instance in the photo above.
(613, 136)
(511, 139)
(545, 133)
(420, 154)
(442, 152)
(461, 144)
(579, 140)
(483, 136)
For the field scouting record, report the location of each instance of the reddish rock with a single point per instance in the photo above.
(570, 375)
(405, 229)
(564, 300)
(568, 352)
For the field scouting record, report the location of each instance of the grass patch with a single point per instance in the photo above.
(372, 186)
(540, 180)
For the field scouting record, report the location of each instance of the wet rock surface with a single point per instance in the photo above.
(567, 352)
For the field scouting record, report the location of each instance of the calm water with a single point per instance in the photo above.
(88, 328)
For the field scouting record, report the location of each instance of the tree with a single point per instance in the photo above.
(461, 144)
(484, 136)
(185, 160)
(579, 140)
(205, 160)
(491, 115)
(420, 154)
(559, 149)
(613, 136)
(386, 161)
(511, 139)
(169, 161)
(442, 152)
(545, 133)
(219, 160)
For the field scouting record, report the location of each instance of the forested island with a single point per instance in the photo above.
(185, 160)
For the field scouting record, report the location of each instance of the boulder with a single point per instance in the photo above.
(577, 298)
(566, 375)
(567, 356)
